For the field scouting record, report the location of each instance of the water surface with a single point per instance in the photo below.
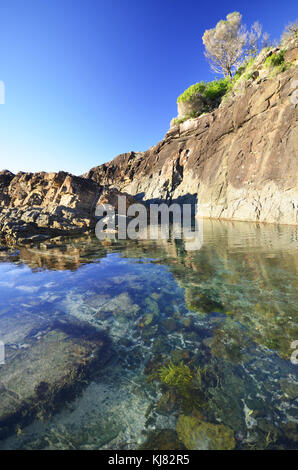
(228, 312)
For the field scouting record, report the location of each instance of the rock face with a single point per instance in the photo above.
(36, 206)
(239, 162)
(110, 197)
(39, 205)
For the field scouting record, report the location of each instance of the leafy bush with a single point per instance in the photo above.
(210, 90)
(249, 75)
(243, 69)
(276, 59)
(216, 89)
(189, 93)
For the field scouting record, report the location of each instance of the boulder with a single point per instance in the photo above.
(30, 385)
(200, 435)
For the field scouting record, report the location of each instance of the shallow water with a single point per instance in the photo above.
(226, 313)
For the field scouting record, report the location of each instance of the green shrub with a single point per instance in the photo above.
(216, 89)
(248, 75)
(275, 60)
(243, 69)
(239, 73)
(196, 89)
(210, 90)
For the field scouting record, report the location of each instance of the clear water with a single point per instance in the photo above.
(228, 312)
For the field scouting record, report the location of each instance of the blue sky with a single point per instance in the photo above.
(89, 79)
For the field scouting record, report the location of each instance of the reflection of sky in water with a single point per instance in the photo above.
(238, 295)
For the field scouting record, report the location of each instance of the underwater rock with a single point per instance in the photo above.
(200, 435)
(120, 305)
(187, 322)
(149, 332)
(229, 340)
(166, 439)
(291, 430)
(151, 306)
(146, 320)
(290, 389)
(203, 300)
(30, 385)
(166, 403)
(153, 365)
(160, 345)
(178, 355)
(170, 324)
(156, 296)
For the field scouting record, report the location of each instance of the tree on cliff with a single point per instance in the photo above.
(290, 31)
(229, 43)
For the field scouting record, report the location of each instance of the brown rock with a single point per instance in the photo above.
(200, 435)
(291, 55)
(110, 196)
(45, 203)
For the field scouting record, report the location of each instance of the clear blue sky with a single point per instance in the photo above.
(89, 79)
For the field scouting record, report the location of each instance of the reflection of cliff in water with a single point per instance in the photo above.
(244, 270)
(221, 238)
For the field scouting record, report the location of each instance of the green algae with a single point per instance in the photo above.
(178, 376)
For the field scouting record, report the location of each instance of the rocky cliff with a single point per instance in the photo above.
(37, 206)
(239, 162)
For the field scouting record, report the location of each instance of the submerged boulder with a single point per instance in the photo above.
(38, 373)
(200, 435)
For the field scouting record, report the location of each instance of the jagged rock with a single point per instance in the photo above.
(117, 169)
(291, 55)
(110, 196)
(199, 435)
(42, 205)
(45, 204)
